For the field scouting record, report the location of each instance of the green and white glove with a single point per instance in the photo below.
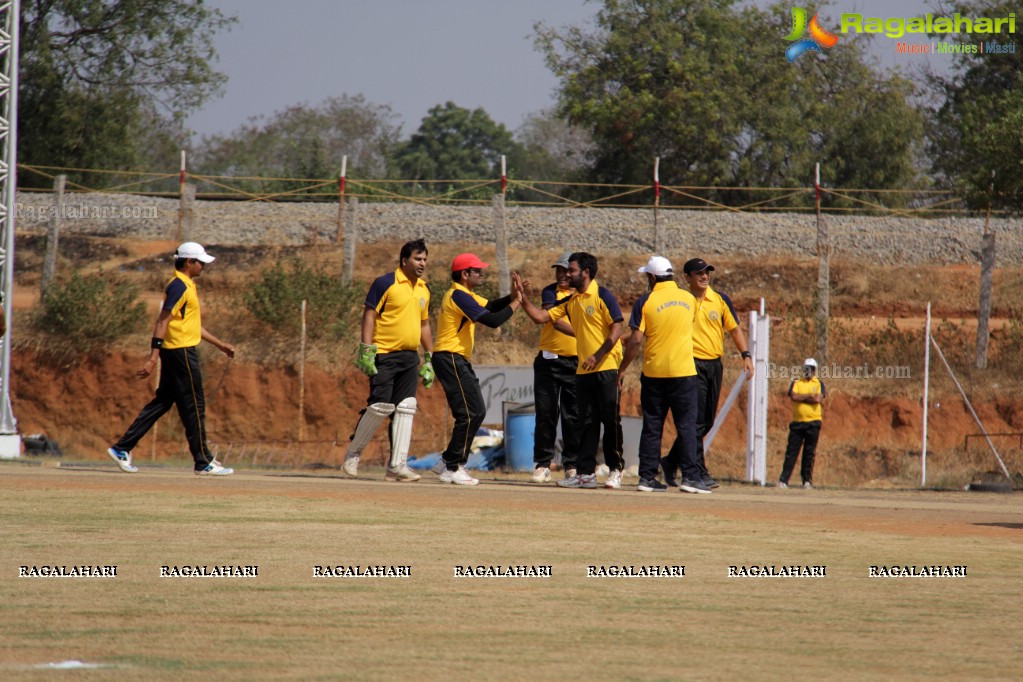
(426, 371)
(366, 359)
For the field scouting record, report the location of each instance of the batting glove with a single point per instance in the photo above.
(426, 371)
(366, 360)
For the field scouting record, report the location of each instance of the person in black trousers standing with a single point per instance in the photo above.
(175, 344)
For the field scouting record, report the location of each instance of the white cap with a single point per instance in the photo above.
(658, 266)
(810, 362)
(193, 250)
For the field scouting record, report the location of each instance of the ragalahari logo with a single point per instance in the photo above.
(819, 40)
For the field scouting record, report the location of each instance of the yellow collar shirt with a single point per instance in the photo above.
(401, 308)
(551, 340)
(715, 315)
(181, 300)
(806, 412)
(591, 314)
(456, 329)
(665, 316)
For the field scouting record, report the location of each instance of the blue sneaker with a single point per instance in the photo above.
(214, 468)
(123, 459)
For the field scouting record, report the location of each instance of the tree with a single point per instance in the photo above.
(305, 142)
(976, 137)
(552, 149)
(453, 143)
(96, 75)
(696, 83)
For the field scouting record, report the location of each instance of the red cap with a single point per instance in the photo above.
(464, 261)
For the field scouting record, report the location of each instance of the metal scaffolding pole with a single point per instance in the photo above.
(10, 12)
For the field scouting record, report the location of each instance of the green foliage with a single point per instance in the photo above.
(976, 141)
(90, 311)
(304, 142)
(453, 143)
(106, 84)
(697, 84)
(275, 299)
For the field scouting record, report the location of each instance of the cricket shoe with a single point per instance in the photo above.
(541, 475)
(614, 480)
(651, 486)
(459, 477)
(579, 481)
(689, 485)
(351, 466)
(123, 459)
(214, 468)
(402, 473)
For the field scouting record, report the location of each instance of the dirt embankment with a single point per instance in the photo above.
(253, 415)
(872, 431)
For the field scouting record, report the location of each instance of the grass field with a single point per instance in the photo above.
(287, 624)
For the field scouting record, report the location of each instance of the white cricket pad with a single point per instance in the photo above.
(368, 424)
(401, 434)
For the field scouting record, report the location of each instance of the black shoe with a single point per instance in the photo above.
(691, 486)
(651, 486)
(709, 481)
(669, 473)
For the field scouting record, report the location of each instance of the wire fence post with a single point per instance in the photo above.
(53, 237)
(501, 242)
(927, 382)
(823, 275)
(659, 246)
(987, 266)
(351, 241)
(301, 378)
(341, 181)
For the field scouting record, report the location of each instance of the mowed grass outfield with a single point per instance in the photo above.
(286, 624)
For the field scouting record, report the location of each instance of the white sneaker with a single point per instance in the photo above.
(569, 473)
(123, 459)
(783, 484)
(807, 485)
(401, 474)
(460, 477)
(351, 466)
(214, 468)
(445, 476)
(614, 480)
(541, 475)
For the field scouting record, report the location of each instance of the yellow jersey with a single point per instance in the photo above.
(665, 315)
(591, 314)
(806, 412)
(401, 309)
(714, 316)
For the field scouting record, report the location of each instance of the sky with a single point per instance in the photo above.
(409, 54)
(415, 54)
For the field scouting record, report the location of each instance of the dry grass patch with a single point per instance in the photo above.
(286, 624)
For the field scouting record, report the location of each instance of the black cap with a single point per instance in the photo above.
(696, 265)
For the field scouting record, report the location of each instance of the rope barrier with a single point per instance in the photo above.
(935, 202)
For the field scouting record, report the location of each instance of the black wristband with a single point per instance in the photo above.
(745, 354)
(156, 343)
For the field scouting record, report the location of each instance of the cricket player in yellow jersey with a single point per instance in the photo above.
(395, 322)
(175, 344)
(806, 393)
(460, 311)
(596, 320)
(715, 315)
(554, 385)
(662, 322)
